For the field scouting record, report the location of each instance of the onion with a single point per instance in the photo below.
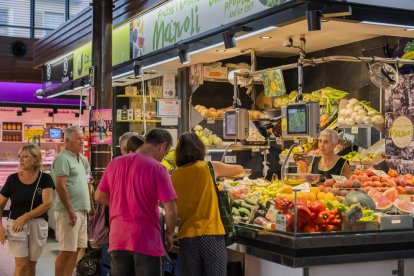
(351, 122)
(367, 120)
(354, 115)
(342, 112)
(358, 108)
(359, 119)
(353, 101)
(378, 119)
(372, 113)
(341, 121)
(350, 106)
(349, 112)
(362, 112)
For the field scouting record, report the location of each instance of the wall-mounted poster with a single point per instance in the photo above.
(399, 118)
(100, 126)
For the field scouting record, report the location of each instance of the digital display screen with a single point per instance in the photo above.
(231, 123)
(55, 133)
(297, 122)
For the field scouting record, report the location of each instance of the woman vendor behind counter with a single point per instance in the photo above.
(329, 163)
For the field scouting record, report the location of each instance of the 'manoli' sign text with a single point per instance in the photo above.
(180, 19)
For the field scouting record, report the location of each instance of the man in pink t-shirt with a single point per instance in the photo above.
(132, 186)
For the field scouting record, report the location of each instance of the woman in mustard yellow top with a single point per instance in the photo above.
(201, 233)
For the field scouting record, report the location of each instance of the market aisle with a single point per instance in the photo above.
(45, 266)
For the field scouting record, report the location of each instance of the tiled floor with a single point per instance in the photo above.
(45, 265)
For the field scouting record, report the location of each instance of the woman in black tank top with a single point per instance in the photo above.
(329, 163)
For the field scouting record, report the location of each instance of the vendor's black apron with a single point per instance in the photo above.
(335, 170)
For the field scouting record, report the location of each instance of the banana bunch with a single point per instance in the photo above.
(169, 161)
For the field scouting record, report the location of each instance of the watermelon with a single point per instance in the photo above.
(391, 194)
(403, 206)
(381, 202)
(358, 197)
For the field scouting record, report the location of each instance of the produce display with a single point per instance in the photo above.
(357, 203)
(327, 97)
(219, 113)
(255, 136)
(207, 137)
(355, 112)
(169, 161)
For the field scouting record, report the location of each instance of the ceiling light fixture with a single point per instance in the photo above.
(138, 69)
(229, 39)
(220, 50)
(182, 51)
(314, 20)
(265, 37)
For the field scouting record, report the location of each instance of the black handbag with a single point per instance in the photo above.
(225, 210)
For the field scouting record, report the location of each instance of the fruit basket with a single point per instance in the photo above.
(294, 179)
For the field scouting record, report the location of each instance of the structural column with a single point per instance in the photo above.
(102, 62)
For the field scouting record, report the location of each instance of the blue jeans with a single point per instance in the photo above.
(124, 262)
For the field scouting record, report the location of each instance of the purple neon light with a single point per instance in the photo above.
(17, 92)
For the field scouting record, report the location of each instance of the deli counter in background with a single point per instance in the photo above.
(9, 161)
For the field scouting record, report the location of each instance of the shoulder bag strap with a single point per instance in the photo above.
(34, 194)
(210, 167)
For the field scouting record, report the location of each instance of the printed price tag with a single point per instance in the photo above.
(280, 222)
(279, 140)
(270, 215)
(211, 120)
(354, 130)
(255, 149)
(380, 173)
(302, 188)
(206, 132)
(338, 178)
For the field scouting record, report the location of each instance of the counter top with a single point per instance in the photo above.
(304, 250)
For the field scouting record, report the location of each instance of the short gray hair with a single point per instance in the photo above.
(126, 136)
(70, 130)
(332, 133)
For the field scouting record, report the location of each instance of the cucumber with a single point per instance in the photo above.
(236, 203)
(235, 211)
(247, 206)
(244, 212)
(250, 201)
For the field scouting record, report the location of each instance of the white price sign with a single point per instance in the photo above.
(280, 222)
(354, 130)
(338, 178)
(380, 173)
(302, 188)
